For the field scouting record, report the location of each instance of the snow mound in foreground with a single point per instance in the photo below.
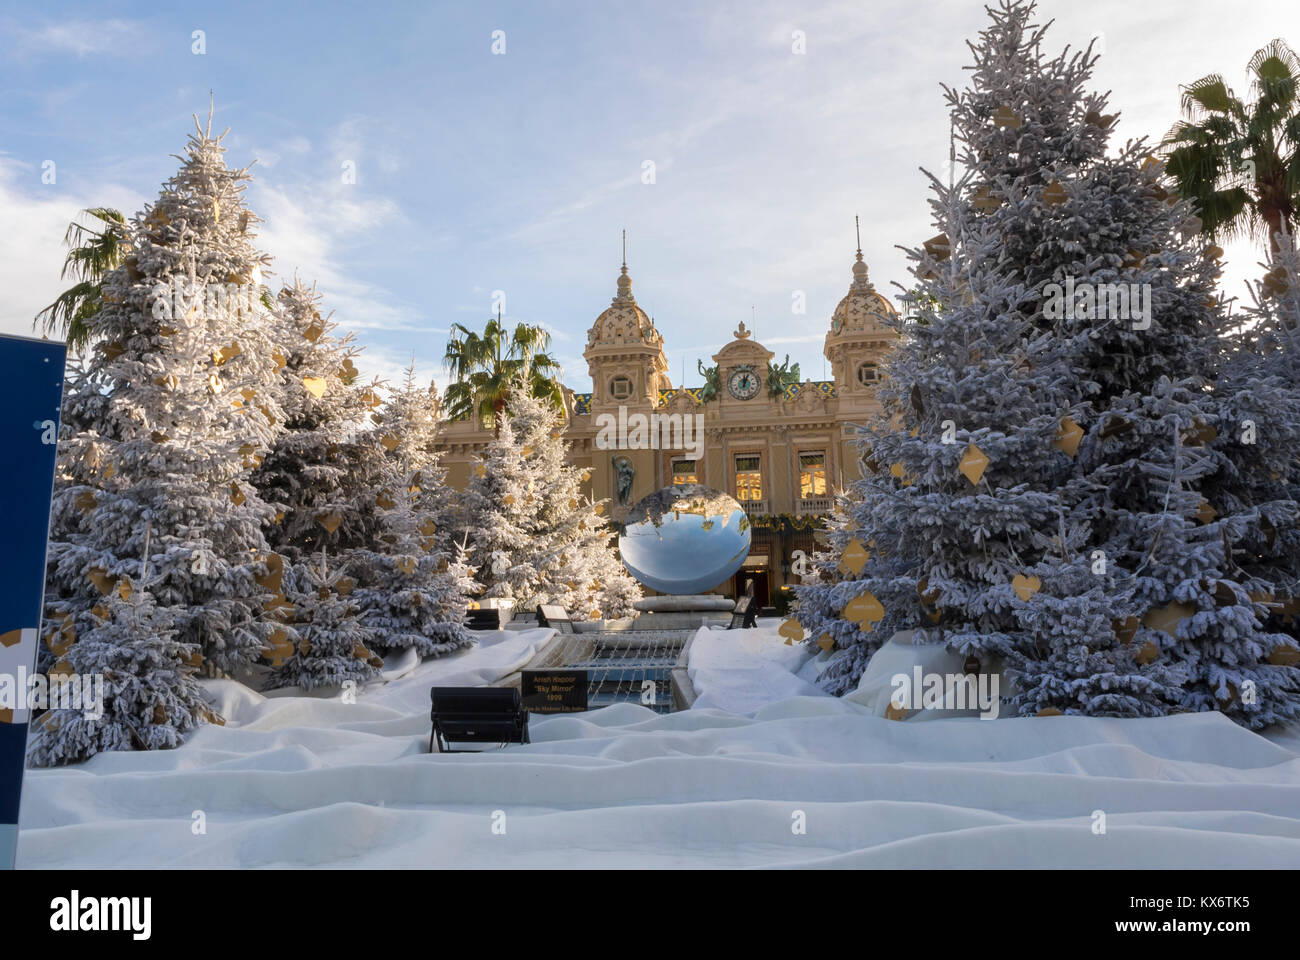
(302, 781)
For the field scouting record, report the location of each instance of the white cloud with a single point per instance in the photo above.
(35, 218)
(82, 38)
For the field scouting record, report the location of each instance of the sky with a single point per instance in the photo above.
(480, 172)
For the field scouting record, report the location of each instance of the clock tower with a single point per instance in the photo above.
(742, 372)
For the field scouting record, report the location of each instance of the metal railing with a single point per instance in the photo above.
(805, 506)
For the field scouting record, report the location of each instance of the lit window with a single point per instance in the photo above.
(620, 388)
(684, 471)
(866, 374)
(812, 475)
(749, 479)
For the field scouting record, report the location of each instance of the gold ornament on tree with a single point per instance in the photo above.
(791, 630)
(272, 579)
(1007, 118)
(1167, 619)
(279, 648)
(1068, 437)
(973, 464)
(855, 557)
(863, 610)
(315, 386)
(1055, 194)
(1026, 587)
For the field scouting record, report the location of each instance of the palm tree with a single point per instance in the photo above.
(1240, 161)
(485, 368)
(92, 253)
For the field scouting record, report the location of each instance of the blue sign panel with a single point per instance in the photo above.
(31, 388)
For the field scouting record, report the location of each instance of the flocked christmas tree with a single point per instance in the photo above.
(533, 536)
(319, 475)
(1261, 379)
(1052, 409)
(416, 586)
(327, 644)
(149, 699)
(159, 425)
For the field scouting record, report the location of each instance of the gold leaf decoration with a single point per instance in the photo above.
(236, 494)
(330, 521)
(315, 386)
(406, 564)
(1055, 194)
(826, 642)
(390, 441)
(792, 630)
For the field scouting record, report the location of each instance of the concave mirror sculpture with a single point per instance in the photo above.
(684, 539)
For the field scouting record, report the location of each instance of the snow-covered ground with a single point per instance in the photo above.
(308, 781)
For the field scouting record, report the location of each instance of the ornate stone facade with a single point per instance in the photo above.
(782, 452)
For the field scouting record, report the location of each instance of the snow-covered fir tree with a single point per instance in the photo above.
(161, 420)
(533, 535)
(149, 700)
(416, 586)
(327, 643)
(1062, 365)
(319, 475)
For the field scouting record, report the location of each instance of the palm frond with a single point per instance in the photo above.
(1210, 93)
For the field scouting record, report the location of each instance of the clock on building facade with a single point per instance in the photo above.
(743, 384)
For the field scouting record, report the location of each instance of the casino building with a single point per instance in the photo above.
(780, 453)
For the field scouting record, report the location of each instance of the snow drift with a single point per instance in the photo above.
(301, 781)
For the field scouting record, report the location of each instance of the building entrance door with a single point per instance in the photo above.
(759, 579)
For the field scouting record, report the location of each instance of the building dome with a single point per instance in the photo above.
(864, 309)
(623, 322)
